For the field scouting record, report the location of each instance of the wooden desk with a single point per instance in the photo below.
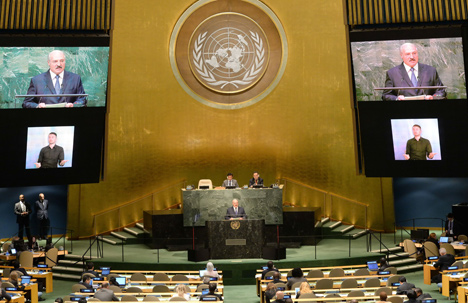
(456, 246)
(429, 272)
(37, 254)
(450, 281)
(46, 277)
(462, 293)
(15, 299)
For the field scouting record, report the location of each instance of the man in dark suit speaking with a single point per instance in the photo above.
(55, 81)
(411, 73)
(235, 212)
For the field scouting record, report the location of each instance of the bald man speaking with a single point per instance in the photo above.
(55, 81)
(411, 73)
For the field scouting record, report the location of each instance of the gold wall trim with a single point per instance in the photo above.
(366, 12)
(55, 14)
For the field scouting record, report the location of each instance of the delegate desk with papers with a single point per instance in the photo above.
(40, 273)
(451, 279)
(429, 270)
(462, 291)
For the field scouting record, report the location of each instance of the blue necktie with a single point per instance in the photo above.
(413, 78)
(57, 84)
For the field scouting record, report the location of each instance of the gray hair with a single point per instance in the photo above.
(404, 45)
(55, 52)
(209, 266)
(442, 251)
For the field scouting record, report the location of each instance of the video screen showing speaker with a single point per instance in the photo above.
(410, 98)
(53, 101)
(58, 146)
(414, 139)
(413, 64)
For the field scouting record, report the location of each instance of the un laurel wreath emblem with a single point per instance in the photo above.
(228, 59)
(235, 224)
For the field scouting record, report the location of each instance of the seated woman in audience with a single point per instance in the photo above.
(270, 292)
(210, 272)
(113, 281)
(180, 292)
(297, 276)
(58, 300)
(304, 289)
(13, 279)
(383, 264)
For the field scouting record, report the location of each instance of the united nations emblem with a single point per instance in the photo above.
(235, 224)
(228, 59)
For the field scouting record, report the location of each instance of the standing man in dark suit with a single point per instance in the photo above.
(256, 180)
(22, 211)
(451, 227)
(42, 213)
(411, 73)
(235, 212)
(230, 181)
(55, 81)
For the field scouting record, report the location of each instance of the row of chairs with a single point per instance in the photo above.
(347, 283)
(430, 249)
(135, 289)
(26, 258)
(353, 294)
(139, 277)
(336, 272)
(130, 298)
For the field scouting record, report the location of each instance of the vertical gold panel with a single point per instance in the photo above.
(157, 134)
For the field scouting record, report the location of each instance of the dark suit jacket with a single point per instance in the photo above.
(456, 228)
(265, 271)
(444, 262)
(4, 295)
(42, 84)
(398, 77)
(404, 287)
(42, 209)
(233, 182)
(423, 297)
(105, 294)
(18, 211)
(231, 214)
(252, 181)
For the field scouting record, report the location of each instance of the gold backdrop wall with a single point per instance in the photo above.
(158, 135)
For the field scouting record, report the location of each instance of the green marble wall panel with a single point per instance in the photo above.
(19, 64)
(371, 60)
(211, 205)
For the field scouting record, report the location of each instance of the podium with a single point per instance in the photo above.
(236, 239)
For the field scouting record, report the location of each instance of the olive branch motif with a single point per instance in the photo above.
(208, 76)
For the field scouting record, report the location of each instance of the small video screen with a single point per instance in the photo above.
(50, 147)
(416, 139)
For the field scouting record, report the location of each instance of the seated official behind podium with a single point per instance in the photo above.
(256, 180)
(235, 212)
(230, 181)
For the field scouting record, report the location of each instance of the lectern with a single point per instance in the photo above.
(236, 239)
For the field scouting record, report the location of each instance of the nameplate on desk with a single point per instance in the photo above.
(236, 242)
